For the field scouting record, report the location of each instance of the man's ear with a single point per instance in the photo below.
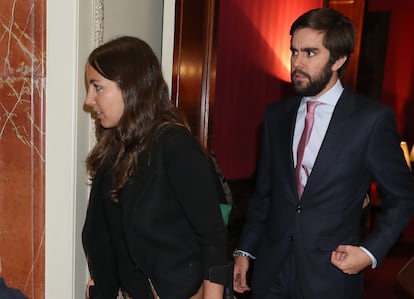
(338, 63)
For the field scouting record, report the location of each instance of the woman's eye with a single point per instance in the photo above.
(97, 87)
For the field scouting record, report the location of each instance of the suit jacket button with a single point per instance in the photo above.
(299, 209)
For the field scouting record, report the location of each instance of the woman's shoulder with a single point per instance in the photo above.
(173, 134)
(177, 138)
(169, 130)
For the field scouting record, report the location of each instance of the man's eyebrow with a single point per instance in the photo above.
(306, 49)
(309, 49)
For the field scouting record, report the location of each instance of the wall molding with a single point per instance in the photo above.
(98, 24)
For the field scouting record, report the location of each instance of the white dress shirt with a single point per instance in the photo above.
(322, 117)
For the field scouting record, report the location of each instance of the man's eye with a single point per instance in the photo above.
(294, 52)
(311, 53)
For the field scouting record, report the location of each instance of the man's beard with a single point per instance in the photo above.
(315, 85)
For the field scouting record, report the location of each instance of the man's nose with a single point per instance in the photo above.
(297, 61)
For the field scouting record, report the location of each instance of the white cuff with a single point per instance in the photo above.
(373, 259)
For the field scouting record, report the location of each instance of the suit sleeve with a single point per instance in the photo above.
(259, 205)
(389, 169)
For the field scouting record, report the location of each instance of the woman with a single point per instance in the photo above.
(153, 222)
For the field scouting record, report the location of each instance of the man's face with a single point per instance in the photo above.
(311, 71)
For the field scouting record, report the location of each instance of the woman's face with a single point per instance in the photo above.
(104, 97)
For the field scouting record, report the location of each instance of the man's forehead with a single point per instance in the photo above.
(307, 38)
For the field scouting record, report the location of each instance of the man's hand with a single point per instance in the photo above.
(241, 265)
(350, 259)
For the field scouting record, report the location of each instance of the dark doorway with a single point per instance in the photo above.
(373, 53)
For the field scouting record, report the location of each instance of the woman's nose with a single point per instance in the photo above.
(89, 99)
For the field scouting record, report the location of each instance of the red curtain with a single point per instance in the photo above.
(398, 83)
(253, 65)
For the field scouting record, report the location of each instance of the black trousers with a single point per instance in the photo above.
(286, 284)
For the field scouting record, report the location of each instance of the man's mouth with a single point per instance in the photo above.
(299, 75)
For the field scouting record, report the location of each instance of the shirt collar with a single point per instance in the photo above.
(330, 97)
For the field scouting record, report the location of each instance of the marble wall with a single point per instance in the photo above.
(22, 164)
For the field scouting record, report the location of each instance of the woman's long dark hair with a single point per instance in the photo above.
(131, 63)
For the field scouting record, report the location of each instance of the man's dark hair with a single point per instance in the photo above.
(339, 32)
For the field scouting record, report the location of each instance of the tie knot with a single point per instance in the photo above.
(311, 106)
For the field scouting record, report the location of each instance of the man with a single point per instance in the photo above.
(9, 293)
(303, 224)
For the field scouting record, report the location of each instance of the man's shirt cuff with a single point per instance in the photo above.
(373, 259)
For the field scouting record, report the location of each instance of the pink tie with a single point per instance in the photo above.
(304, 139)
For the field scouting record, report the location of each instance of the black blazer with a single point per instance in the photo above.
(361, 145)
(171, 222)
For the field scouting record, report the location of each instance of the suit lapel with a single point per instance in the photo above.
(287, 144)
(292, 114)
(331, 142)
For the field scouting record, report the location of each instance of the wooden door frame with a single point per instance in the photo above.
(194, 63)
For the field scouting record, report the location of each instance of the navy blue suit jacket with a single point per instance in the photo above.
(361, 145)
(9, 293)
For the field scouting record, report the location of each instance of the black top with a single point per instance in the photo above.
(131, 279)
(167, 225)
